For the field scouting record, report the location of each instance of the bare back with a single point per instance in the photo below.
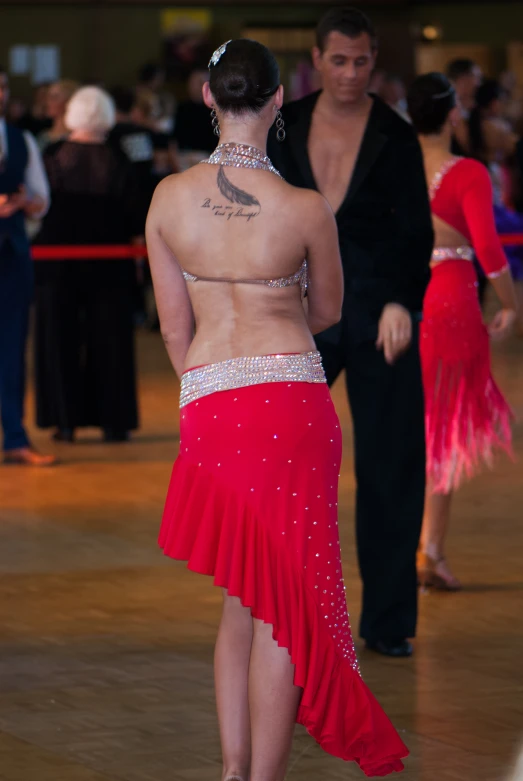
(239, 224)
(445, 235)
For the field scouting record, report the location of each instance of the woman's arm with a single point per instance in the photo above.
(172, 299)
(36, 194)
(503, 322)
(479, 214)
(325, 293)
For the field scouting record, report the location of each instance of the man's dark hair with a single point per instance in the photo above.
(460, 67)
(486, 94)
(124, 99)
(347, 21)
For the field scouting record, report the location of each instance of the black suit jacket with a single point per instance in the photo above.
(384, 222)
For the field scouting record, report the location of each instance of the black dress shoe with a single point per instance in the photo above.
(63, 435)
(397, 647)
(115, 435)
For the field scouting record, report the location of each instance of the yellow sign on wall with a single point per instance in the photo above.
(185, 21)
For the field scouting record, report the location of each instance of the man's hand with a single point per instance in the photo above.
(394, 332)
(10, 204)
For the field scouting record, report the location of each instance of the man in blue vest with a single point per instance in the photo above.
(24, 192)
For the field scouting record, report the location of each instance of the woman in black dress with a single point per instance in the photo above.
(85, 366)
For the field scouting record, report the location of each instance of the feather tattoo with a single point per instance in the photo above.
(235, 194)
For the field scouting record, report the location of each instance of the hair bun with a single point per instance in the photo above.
(430, 100)
(237, 86)
(245, 77)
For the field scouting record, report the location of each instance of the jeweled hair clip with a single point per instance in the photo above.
(446, 94)
(218, 54)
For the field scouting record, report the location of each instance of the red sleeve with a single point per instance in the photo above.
(477, 204)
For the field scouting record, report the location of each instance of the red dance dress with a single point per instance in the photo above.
(253, 502)
(467, 417)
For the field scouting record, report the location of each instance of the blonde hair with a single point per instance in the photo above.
(90, 109)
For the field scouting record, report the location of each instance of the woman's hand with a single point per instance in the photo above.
(502, 324)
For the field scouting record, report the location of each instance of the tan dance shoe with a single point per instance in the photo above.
(435, 573)
(28, 456)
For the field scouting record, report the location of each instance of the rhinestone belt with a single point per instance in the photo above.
(452, 253)
(243, 372)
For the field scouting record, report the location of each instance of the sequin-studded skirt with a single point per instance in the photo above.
(253, 503)
(466, 415)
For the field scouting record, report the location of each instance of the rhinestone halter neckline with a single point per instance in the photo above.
(241, 156)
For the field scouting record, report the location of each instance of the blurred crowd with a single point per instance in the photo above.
(160, 135)
(104, 152)
(156, 132)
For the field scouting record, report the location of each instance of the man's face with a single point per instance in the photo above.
(56, 102)
(4, 93)
(346, 66)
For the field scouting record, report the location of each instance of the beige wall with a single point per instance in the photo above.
(93, 41)
(436, 57)
(493, 23)
(110, 43)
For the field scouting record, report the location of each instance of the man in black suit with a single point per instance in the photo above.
(367, 162)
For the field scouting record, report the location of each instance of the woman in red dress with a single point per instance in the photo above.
(253, 494)
(467, 417)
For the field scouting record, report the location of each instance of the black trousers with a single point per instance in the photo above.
(84, 351)
(388, 418)
(16, 286)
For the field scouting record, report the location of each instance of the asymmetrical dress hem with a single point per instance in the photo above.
(252, 502)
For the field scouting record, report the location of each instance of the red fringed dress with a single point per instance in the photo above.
(253, 503)
(467, 417)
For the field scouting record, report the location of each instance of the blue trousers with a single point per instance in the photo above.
(16, 288)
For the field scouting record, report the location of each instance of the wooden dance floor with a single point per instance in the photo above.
(106, 647)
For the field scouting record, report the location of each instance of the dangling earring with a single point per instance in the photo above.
(215, 123)
(280, 127)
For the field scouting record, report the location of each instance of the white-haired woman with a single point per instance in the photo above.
(85, 373)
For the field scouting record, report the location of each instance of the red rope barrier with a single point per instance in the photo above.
(512, 239)
(88, 252)
(125, 252)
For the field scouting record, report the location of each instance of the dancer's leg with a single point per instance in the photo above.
(273, 702)
(435, 524)
(231, 670)
(434, 568)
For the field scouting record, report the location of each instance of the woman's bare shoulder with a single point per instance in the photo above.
(175, 182)
(312, 205)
